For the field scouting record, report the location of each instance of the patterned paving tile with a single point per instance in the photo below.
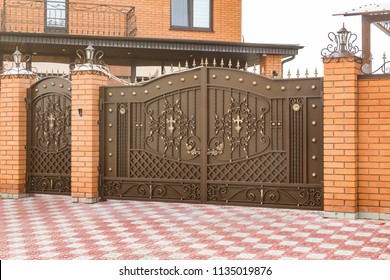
(52, 227)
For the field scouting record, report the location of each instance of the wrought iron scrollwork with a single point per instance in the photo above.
(52, 121)
(238, 118)
(383, 69)
(341, 46)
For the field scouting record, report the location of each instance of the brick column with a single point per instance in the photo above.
(13, 134)
(341, 137)
(270, 63)
(85, 135)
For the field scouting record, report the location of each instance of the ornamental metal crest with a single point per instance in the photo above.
(51, 123)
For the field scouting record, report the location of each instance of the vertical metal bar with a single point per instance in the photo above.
(203, 132)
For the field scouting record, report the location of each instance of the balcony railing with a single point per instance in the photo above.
(61, 16)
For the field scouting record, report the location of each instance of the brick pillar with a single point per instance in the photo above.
(85, 135)
(13, 134)
(270, 63)
(341, 137)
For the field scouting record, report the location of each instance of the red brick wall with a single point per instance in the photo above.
(85, 135)
(374, 144)
(153, 20)
(356, 142)
(13, 134)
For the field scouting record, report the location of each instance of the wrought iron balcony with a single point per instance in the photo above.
(68, 17)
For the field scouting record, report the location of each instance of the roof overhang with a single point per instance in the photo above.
(142, 51)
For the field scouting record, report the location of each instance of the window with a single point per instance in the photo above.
(56, 16)
(191, 14)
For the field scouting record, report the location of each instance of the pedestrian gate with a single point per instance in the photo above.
(214, 135)
(48, 136)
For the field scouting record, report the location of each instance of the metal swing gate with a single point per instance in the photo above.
(49, 137)
(214, 135)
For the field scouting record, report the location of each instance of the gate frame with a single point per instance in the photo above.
(282, 88)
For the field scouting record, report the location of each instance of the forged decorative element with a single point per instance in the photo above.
(238, 116)
(308, 197)
(49, 162)
(123, 154)
(171, 126)
(341, 46)
(52, 123)
(88, 60)
(154, 167)
(19, 64)
(296, 140)
(384, 68)
(189, 192)
(270, 167)
(43, 184)
(191, 144)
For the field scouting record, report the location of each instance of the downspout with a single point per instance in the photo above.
(287, 60)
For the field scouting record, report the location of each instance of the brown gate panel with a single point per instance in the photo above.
(48, 140)
(214, 135)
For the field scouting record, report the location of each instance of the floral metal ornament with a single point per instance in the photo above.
(383, 69)
(89, 60)
(342, 46)
(19, 64)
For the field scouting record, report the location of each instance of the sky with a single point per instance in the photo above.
(307, 23)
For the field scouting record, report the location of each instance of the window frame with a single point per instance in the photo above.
(190, 11)
(54, 29)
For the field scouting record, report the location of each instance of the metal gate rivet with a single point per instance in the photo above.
(314, 175)
(314, 157)
(227, 77)
(268, 87)
(53, 84)
(157, 87)
(214, 76)
(69, 88)
(314, 123)
(182, 79)
(314, 106)
(36, 90)
(109, 139)
(110, 154)
(134, 93)
(61, 85)
(170, 83)
(296, 107)
(110, 169)
(298, 87)
(283, 88)
(240, 80)
(195, 77)
(254, 83)
(146, 91)
(44, 86)
(313, 87)
(110, 94)
(122, 111)
(122, 93)
(110, 125)
(314, 140)
(110, 110)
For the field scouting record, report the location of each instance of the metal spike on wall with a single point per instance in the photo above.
(289, 73)
(214, 62)
(246, 66)
(238, 64)
(316, 72)
(194, 63)
(206, 63)
(201, 62)
(179, 66)
(171, 68)
(298, 74)
(230, 63)
(307, 73)
(222, 63)
(186, 65)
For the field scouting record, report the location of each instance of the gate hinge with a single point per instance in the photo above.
(101, 104)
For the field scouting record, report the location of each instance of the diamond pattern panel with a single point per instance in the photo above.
(46, 162)
(146, 165)
(270, 167)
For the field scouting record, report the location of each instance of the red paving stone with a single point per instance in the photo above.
(52, 227)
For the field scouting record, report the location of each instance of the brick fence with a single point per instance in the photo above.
(356, 142)
(356, 139)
